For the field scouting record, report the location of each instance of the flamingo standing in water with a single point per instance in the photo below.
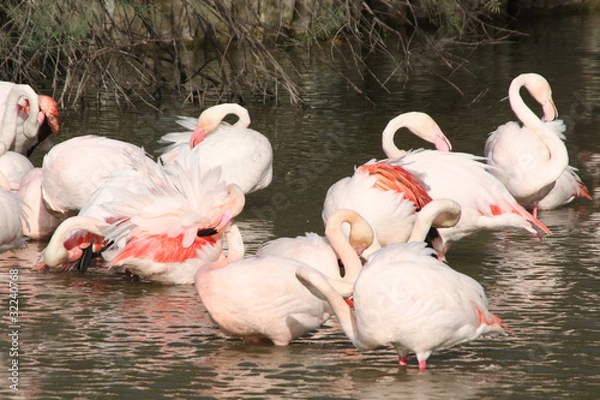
(259, 298)
(405, 298)
(162, 227)
(529, 159)
(26, 118)
(484, 200)
(245, 155)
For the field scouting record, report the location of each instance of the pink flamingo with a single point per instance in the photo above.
(259, 298)
(162, 227)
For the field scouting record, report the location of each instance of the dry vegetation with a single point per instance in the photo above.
(129, 50)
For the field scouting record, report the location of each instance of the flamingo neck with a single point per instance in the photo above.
(55, 253)
(361, 236)
(319, 286)
(521, 110)
(9, 121)
(439, 213)
(387, 137)
(557, 157)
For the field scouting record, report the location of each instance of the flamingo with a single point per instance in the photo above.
(14, 166)
(485, 201)
(163, 227)
(259, 298)
(26, 118)
(386, 195)
(528, 159)
(406, 298)
(245, 155)
(74, 169)
(327, 255)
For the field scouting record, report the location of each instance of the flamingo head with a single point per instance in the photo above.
(422, 125)
(49, 108)
(540, 90)
(208, 121)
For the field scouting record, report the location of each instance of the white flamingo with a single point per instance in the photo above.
(386, 195)
(484, 200)
(406, 298)
(245, 155)
(528, 159)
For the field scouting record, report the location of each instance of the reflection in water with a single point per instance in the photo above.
(101, 334)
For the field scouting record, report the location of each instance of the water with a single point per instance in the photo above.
(101, 335)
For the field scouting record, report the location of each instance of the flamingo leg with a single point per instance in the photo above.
(403, 361)
(422, 365)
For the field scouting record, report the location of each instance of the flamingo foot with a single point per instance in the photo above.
(422, 365)
(403, 361)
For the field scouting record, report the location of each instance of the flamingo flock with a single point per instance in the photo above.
(381, 266)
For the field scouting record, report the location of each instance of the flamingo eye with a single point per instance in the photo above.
(207, 232)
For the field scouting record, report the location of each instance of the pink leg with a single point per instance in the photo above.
(403, 361)
(422, 365)
(535, 210)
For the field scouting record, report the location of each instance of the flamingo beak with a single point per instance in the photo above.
(440, 140)
(550, 111)
(198, 136)
(225, 219)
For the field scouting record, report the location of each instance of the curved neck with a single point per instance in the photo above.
(361, 237)
(557, 156)
(421, 125)
(439, 213)
(387, 137)
(8, 130)
(521, 110)
(55, 254)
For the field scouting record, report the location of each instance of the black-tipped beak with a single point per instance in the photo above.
(207, 232)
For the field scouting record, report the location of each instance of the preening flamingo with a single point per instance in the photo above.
(74, 169)
(484, 200)
(259, 298)
(165, 226)
(26, 118)
(245, 155)
(406, 298)
(386, 195)
(528, 159)
(335, 255)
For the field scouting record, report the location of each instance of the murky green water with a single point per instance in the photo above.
(100, 335)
